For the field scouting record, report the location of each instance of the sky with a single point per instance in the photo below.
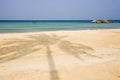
(59, 9)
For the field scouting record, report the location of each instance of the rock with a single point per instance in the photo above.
(105, 21)
(100, 21)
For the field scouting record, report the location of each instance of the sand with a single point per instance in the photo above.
(60, 55)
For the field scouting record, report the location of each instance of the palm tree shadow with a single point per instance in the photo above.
(53, 71)
(16, 48)
(66, 46)
(76, 49)
(19, 47)
(46, 41)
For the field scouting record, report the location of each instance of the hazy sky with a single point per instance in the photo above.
(59, 9)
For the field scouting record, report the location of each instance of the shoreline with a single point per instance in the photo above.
(59, 31)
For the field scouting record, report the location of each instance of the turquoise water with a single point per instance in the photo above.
(36, 26)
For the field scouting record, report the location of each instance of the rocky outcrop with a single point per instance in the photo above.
(105, 21)
(100, 21)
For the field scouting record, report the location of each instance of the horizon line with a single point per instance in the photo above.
(51, 20)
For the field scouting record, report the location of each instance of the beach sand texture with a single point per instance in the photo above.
(60, 55)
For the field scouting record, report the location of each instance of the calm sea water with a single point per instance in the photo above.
(8, 26)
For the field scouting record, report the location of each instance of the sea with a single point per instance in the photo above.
(20, 26)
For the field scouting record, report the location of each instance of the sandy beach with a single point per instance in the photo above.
(60, 55)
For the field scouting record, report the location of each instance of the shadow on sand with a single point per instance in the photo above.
(53, 71)
(17, 48)
(76, 49)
